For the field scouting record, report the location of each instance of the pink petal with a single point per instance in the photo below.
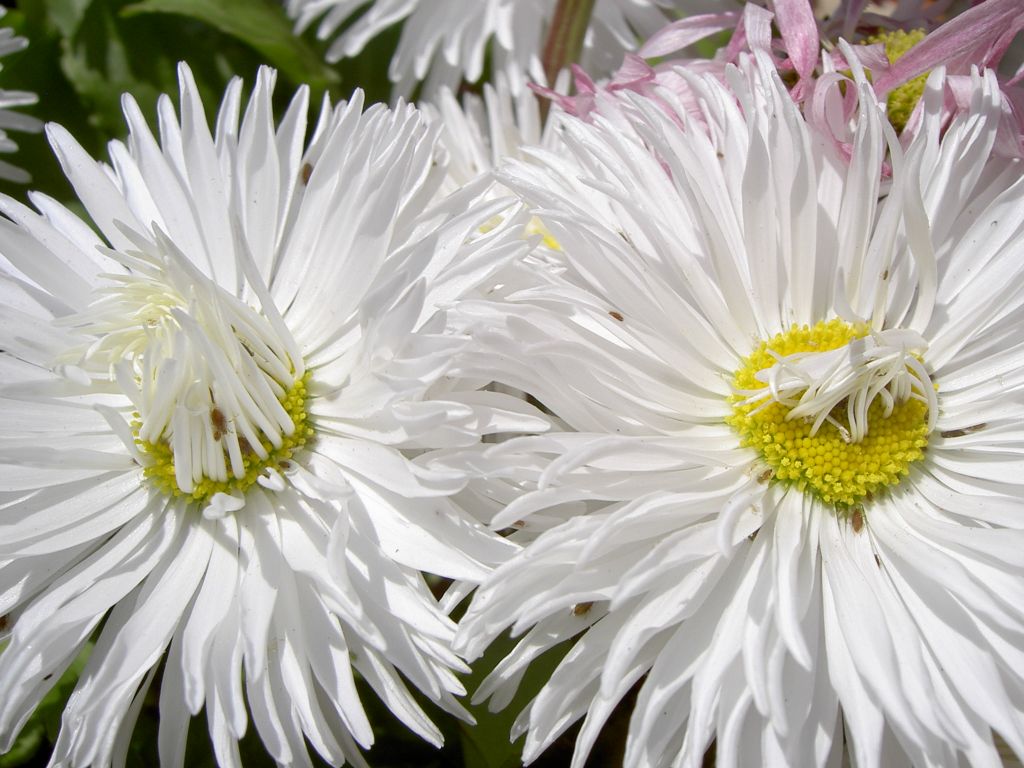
(873, 57)
(580, 105)
(680, 34)
(633, 70)
(851, 15)
(799, 33)
(754, 32)
(979, 35)
(1017, 77)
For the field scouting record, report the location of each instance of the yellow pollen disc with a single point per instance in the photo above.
(901, 101)
(838, 472)
(160, 469)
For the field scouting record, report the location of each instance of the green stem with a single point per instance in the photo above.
(565, 38)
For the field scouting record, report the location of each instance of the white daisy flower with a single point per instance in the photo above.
(446, 41)
(792, 513)
(217, 423)
(13, 121)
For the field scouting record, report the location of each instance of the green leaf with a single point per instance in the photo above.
(29, 742)
(98, 61)
(41, 730)
(37, 69)
(487, 744)
(261, 24)
(709, 46)
(67, 15)
(111, 54)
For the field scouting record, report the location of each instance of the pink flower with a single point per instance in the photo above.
(818, 69)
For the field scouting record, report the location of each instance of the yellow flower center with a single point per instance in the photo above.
(218, 383)
(841, 426)
(264, 461)
(901, 101)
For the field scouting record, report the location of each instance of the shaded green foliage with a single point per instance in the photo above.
(258, 23)
(37, 737)
(485, 744)
(84, 54)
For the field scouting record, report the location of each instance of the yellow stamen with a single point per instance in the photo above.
(826, 463)
(536, 227)
(160, 469)
(901, 101)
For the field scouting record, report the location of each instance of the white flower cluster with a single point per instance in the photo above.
(13, 121)
(445, 41)
(712, 388)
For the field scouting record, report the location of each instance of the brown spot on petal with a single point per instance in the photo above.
(964, 431)
(582, 609)
(857, 519)
(220, 423)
